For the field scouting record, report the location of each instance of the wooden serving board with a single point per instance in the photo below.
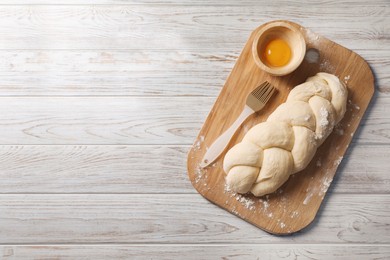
(296, 203)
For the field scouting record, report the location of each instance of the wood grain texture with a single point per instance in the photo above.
(358, 4)
(177, 218)
(94, 169)
(181, 27)
(119, 73)
(97, 101)
(197, 252)
(135, 120)
(145, 169)
(134, 72)
(99, 120)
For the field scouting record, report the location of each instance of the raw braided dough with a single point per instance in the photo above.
(285, 144)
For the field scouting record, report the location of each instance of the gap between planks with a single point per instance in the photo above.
(192, 215)
(181, 145)
(154, 193)
(179, 3)
(195, 194)
(211, 244)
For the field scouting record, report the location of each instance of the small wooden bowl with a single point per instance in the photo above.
(291, 35)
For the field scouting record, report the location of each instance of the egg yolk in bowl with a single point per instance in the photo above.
(277, 53)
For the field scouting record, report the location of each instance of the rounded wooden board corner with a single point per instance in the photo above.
(295, 205)
(370, 73)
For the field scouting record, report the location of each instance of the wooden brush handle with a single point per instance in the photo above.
(220, 144)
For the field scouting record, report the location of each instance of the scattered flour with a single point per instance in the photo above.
(346, 78)
(198, 143)
(251, 203)
(235, 211)
(227, 188)
(352, 105)
(199, 171)
(338, 161)
(265, 205)
(294, 214)
(324, 117)
(325, 66)
(325, 185)
(318, 163)
(310, 35)
(248, 203)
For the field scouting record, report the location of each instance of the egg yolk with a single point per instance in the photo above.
(277, 53)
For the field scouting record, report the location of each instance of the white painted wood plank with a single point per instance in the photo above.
(168, 49)
(94, 169)
(180, 218)
(133, 73)
(181, 27)
(358, 174)
(150, 169)
(147, 73)
(197, 252)
(133, 120)
(356, 4)
(101, 120)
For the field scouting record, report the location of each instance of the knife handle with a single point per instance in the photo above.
(220, 144)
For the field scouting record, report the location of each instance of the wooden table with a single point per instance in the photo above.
(101, 100)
